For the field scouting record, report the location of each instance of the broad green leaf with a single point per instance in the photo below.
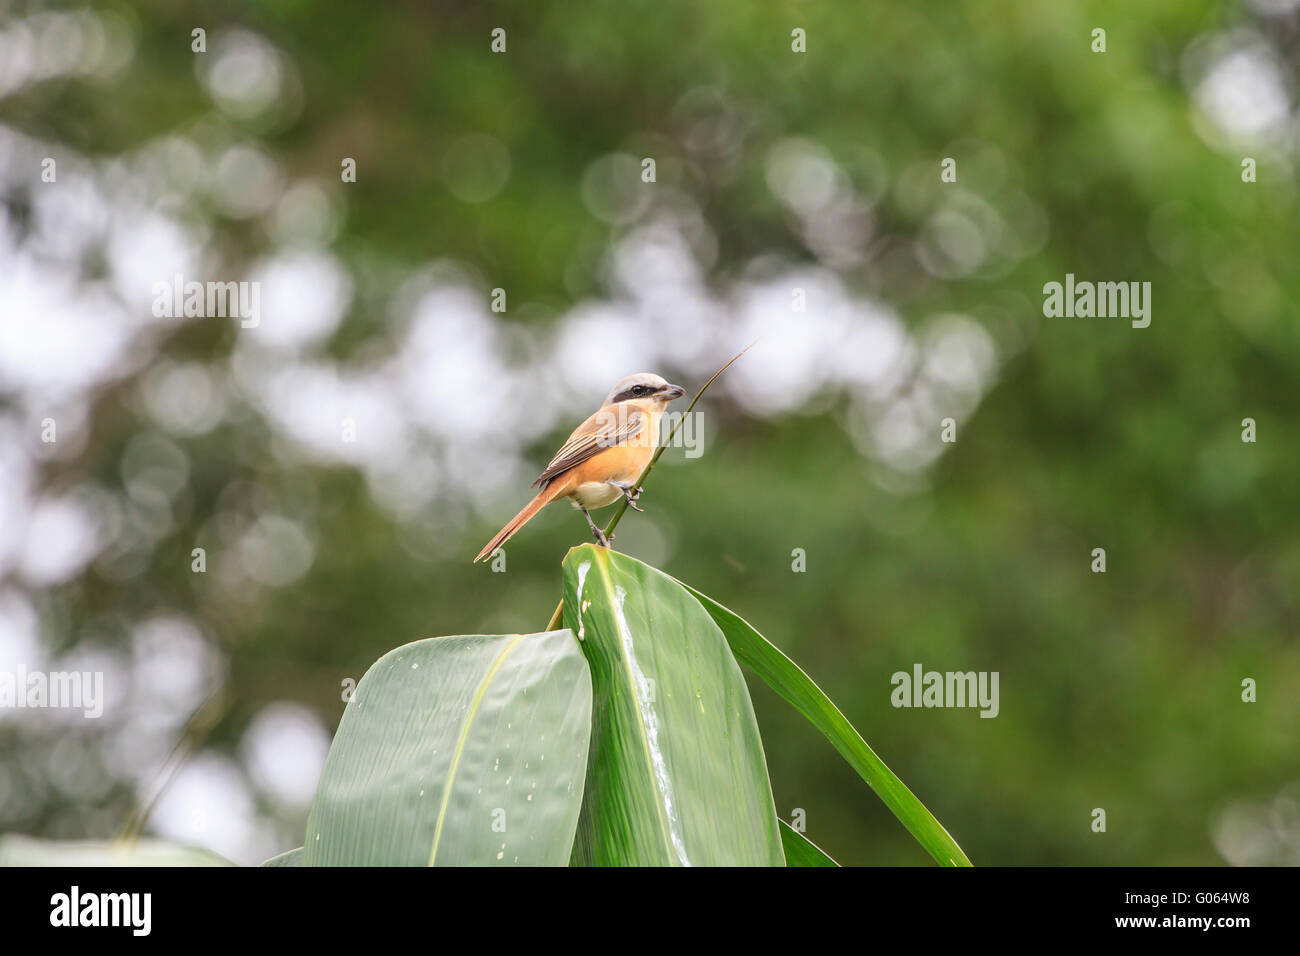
(18, 850)
(458, 751)
(799, 850)
(677, 774)
(292, 858)
(785, 677)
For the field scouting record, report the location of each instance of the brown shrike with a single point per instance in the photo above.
(604, 456)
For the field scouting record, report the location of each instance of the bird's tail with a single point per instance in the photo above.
(544, 497)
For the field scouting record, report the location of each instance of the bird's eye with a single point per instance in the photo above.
(639, 389)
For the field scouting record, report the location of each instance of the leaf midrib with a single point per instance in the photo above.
(603, 563)
(459, 752)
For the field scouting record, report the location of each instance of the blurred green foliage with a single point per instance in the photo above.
(1119, 690)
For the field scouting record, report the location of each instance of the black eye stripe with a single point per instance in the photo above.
(634, 391)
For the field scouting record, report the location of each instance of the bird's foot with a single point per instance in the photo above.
(632, 496)
(595, 529)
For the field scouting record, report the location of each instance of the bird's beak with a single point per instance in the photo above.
(669, 392)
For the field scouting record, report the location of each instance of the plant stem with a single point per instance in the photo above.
(557, 618)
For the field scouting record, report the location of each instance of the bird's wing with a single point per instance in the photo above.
(610, 426)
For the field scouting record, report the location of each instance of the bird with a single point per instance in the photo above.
(604, 457)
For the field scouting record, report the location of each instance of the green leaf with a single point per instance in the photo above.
(785, 677)
(799, 850)
(292, 858)
(18, 850)
(458, 751)
(677, 774)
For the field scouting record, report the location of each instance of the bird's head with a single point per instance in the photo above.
(646, 387)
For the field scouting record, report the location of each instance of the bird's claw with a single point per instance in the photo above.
(632, 498)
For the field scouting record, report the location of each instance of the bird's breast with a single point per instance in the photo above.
(591, 480)
(595, 494)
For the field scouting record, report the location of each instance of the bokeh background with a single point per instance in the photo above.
(776, 171)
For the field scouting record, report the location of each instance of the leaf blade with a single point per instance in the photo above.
(801, 851)
(799, 690)
(466, 750)
(677, 774)
(290, 858)
(19, 850)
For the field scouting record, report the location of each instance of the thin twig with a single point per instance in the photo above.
(196, 729)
